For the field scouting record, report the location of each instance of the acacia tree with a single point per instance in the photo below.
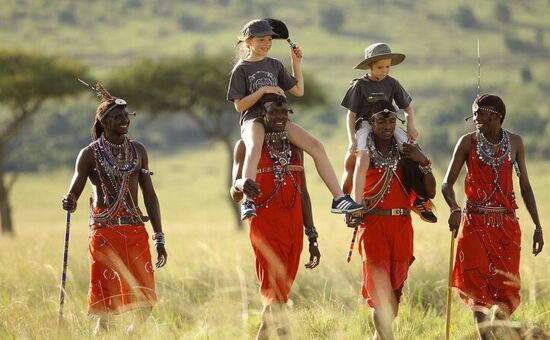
(196, 87)
(26, 82)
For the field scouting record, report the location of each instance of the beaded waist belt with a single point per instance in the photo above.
(288, 168)
(389, 212)
(485, 209)
(121, 220)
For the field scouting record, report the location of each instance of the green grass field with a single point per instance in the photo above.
(210, 272)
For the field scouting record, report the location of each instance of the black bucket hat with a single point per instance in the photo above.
(379, 51)
(258, 28)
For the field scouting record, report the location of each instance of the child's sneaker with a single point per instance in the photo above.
(248, 209)
(344, 204)
(423, 207)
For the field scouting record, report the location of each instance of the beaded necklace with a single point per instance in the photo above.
(118, 162)
(378, 159)
(493, 155)
(280, 156)
(388, 164)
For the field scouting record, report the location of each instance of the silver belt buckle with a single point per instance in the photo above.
(397, 212)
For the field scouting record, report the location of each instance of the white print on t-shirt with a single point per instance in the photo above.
(261, 79)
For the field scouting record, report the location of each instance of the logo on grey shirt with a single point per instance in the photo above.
(261, 79)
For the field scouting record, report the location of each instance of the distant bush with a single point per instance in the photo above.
(66, 16)
(466, 17)
(331, 18)
(502, 12)
(526, 75)
(515, 44)
(190, 23)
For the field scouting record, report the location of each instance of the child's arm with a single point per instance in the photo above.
(245, 103)
(411, 130)
(296, 55)
(351, 131)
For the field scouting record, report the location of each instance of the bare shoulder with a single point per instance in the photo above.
(465, 141)
(515, 138)
(139, 146)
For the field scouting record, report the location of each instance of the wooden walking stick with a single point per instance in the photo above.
(450, 286)
(64, 269)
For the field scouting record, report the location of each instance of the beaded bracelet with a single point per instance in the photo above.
(311, 233)
(456, 209)
(158, 235)
(538, 231)
(425, 169)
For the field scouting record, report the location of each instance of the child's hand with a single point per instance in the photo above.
(273, 89)
(296, 54)
(412, 132)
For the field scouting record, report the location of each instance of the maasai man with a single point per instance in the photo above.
(386, 232)
(489, 244)
(283, 209)
(121, 271)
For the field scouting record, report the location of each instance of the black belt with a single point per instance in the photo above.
(390, 212)
(121, 220)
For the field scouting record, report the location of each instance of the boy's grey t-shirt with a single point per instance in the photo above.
(248, 76)
(362, 92)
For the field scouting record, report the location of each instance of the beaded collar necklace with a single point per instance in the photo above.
(493, 154)
(280, 156)
(378, 159)
(118, 162)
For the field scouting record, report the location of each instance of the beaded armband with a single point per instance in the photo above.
(158, 238)
(311, 234)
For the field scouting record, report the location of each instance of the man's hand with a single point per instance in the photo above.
(162, 256)
(354, 219)
(68, 202)
(314, 255)
(412, 151)
(538, 241)
(454, 222)
(248, 187)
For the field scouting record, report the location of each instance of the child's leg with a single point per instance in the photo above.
(361, 167)
(303, 140)
(362, 162)
(400, 136)
(253, 137)
(347, 176)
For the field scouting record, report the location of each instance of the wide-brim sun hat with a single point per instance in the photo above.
(379, 51)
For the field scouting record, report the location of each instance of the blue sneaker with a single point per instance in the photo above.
(345, 204)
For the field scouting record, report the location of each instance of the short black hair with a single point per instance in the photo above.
(273, 97)
(491, 103)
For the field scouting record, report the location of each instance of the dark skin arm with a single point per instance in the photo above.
(413, 152)
(239, 186)
(151, 203)
(307, 215)
(460, 155)
(84, 164)
(527, 193)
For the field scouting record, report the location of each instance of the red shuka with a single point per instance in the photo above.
(386, 242)
(488, 240)
(276, 233)
(121, 272)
